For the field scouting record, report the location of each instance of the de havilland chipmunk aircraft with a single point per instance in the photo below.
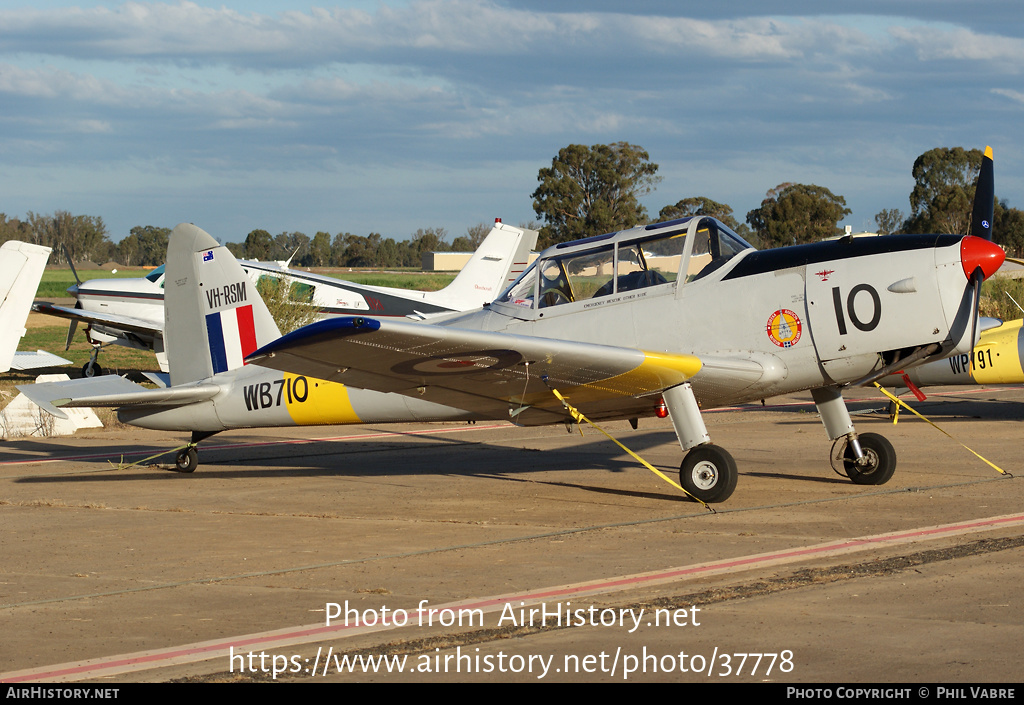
(130, 312)
(671, 316)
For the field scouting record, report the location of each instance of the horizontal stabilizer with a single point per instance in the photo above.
(26, 360)
(113, 391)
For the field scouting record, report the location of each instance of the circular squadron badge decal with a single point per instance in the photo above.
(784, 328)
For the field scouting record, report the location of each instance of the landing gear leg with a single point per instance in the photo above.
(92, 368)
(868, 459)
(708, 472)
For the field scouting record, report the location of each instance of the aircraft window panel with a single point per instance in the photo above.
(577, 277)
(302, 292)
(630, 260)
(713, 247)
(589, 274)
(554, 284)
(522, 290)
(662, 256)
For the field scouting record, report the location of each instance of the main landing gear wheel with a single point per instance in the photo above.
(708, 473)
(187, 460)
(91, 369)
(880, 460)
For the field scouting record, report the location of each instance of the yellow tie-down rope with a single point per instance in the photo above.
(124, 466)
(899, 402)
(578, 417)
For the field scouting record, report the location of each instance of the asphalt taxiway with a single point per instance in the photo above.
(115, 574)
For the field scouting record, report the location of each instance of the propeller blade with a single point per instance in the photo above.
(71, 333)
(977, 277)
(71, 264)
(984, 199)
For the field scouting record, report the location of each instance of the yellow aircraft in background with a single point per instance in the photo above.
(998, 358)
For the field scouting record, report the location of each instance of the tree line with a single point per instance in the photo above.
(586, 191)
(593, 190)
(85, 238)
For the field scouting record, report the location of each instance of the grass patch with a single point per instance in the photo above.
(995, 298)
(418, 280)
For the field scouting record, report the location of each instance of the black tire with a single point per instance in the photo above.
(708, 473)
(187, 460)
(881, 460)
(90, 370)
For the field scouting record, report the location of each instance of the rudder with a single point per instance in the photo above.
(21, 268)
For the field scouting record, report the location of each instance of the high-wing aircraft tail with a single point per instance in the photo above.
(213, 315)
(500, 259)
(21, 268)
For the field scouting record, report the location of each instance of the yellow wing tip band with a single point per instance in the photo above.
(687, 365)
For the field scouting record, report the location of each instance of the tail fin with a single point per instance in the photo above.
(21, 268)
(501, 257)
(213, 316)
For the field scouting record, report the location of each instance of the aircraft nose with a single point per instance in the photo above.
(977, 252)
(73, 290)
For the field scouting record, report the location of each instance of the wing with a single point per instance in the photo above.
(108, 321)
(494, 374)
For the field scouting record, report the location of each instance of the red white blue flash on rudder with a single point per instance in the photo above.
(232, 337)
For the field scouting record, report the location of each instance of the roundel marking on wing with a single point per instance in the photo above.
(464, 363)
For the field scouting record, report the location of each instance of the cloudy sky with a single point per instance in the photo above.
(391, 115)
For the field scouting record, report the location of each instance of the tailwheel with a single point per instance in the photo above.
(708, 473)
(878, 464)
(187, 460)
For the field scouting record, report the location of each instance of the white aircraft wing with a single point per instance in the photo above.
(111, 320)
(110, 390)
(495, 374)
